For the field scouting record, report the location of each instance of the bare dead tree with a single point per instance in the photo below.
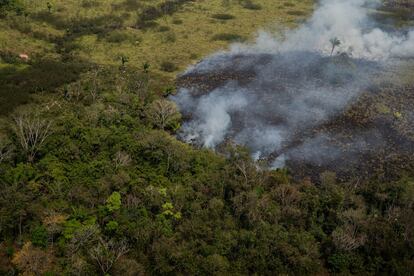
(120, 83)
(286, 195)
(31, 132)
(31, 260)
(75, 91)
(139, 85)
(95, 83)
(53, 222)
(52, 104)
(242, 167)
(78, 265)
(122, 159)
(348, 237)
(107, 253)
(86, 236)
(132, 201)
(163, 112)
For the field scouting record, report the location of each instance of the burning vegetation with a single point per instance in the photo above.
(308, 102)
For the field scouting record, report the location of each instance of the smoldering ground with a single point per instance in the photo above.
(293, 99)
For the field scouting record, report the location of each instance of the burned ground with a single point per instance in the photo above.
(370, 132)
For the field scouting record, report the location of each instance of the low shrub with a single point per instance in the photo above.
(163, 29)
(10, 6)
(223, 16)
(288, 4)
(150, 13)
(9, 57)
(248, 4)
(296, 13)
(228, 37)
(117, 37)
(87, 4)
(144, 25)
(177, 21)
(168, 66)
(169, 37)
(132, 4)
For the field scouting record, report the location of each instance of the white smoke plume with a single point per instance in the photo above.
(348, 21)
(297, 85)
(213, 119)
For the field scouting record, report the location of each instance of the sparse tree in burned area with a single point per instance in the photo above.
(335, 42)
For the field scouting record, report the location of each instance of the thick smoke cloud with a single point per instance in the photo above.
(296, 86)
(215, 108)
(349, 21)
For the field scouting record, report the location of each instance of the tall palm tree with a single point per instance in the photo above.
(335, 42)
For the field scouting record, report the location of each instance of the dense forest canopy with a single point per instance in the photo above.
(94, 181)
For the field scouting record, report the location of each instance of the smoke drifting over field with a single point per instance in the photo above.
(275, 95)
(349, 21)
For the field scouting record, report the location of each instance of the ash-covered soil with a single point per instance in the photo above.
(334, 113)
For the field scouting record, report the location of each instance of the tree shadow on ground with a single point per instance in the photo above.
(17, 86)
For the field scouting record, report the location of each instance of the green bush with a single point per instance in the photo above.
(9, 251)
(223, 16)
(122, 36)
(150, 14)
(228, 37)
(288, 4)
(117, 37)
(39, 236)
(9, 57)
(248, 4)
(113, 203)
(10, 6)
(144, 25)
(112, 226)
(168, 66)
(90, 4)
(338, 262)
(169, 37)
(177, 21)
(296, 13)
(163, 29)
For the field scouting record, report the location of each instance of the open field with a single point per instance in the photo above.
(90, 33)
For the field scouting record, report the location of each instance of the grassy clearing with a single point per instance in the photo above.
(184, 43)
(100, 32)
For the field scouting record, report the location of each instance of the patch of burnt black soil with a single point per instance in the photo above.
(331, 114)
